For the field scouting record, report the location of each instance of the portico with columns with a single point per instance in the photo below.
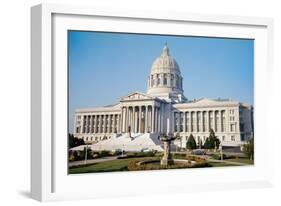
(141, 113)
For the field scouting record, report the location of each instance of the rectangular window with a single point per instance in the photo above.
(175, 122)
(232, 138)
(181, 122)
(165, 79)
(158, 79)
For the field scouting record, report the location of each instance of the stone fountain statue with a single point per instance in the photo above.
(167, 158)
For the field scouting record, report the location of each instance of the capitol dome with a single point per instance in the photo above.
(165, 63)
(165, 80)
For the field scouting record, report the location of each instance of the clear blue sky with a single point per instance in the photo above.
(106, 66)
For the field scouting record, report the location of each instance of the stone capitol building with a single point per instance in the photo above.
(137, 120)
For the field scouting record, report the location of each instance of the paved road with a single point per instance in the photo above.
(91, 161)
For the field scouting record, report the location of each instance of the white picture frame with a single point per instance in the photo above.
(49, 179)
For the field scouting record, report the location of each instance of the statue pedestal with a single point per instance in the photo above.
(167, 158)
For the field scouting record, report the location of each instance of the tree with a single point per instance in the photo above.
(191, 144)
(74, 141)
(248, 149)
(212, 142)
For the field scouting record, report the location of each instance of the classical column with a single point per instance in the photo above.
(100, 124)
(196, 122)
(136, 120)
(149, 119)
(123, 119)
(207, 122)
(82, 124)
(139, 130)
(128, 119)
(184, 121)
(110, 123)
(178, 122)
(113, 124)
(152, 119)
(156, 120)
(162, 118)
(87, 124)
(103, 123)
(159, 119)
(146, 125)
(133, 120)
(91, 124)
(219, 121)
(214, 120)
(94, 123)
(118, 124)
(191, 129)
(202, 121)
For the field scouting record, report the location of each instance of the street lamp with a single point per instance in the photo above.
(221, 151)
(86, 149)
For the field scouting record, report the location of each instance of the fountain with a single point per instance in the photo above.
(167, 157)
(167, 160)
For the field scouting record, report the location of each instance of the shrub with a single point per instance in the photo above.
(74, 141)
(248, 149)
(191, 144)
(212, 142)
(137, 154)
(218, 156)
(104, 153)
(132, 166)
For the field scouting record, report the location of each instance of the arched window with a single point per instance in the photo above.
(181, 83)
(177, 81)
(165, 79)
(158, 79)
(152, 81)
(172, 80)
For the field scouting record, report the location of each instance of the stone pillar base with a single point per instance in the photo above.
(166, 162)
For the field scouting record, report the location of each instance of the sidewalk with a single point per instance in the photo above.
(91, 161)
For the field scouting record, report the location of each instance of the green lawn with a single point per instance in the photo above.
(108, 166)
(242, 160)
(121, 164)
(219, 164)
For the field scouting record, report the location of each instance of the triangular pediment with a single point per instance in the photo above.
(136, 96)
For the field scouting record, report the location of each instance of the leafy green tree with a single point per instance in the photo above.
(212, 142)
(248, 149)
(191, 144)
(74, 141)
